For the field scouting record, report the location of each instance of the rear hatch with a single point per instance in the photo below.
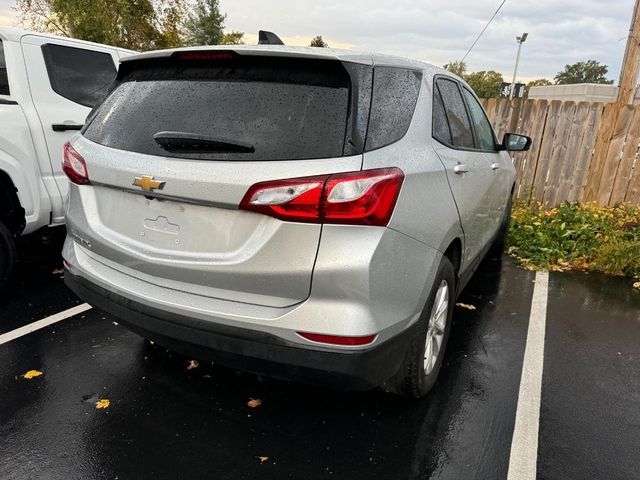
(179, 141)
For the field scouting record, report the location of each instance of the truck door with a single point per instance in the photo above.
(66, 79)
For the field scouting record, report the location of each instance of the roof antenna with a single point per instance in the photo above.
(268, 38)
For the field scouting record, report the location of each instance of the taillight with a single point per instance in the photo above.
(365, 197)
(296, 200)
(74, 166)
(338, 339)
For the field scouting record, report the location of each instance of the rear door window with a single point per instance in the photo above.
(4, 79)
(484, 132)
(441, 130)
(279, 109)
(82, 76)
(395, 93)
(459, 123)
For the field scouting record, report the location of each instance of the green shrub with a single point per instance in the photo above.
(619, 258)
(577, 236)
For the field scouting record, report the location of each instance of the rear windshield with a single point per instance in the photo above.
(275, 109)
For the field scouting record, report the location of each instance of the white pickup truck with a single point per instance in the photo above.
(48, 86)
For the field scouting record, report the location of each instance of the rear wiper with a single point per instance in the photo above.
(186, 142)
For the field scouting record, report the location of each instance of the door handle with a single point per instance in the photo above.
(495, 166)
(63, 127)
(460, 168)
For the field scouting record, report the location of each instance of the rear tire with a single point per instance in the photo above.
(7, 254)
(421, 365)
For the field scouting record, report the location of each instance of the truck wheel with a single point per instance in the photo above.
(423, 359)
(7, 254)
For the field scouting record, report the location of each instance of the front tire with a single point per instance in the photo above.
(423, 359)
(7, 254)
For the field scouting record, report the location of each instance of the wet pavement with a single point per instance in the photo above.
(167, 421)
(37, 288)
(590, 415)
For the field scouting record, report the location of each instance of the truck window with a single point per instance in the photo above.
(82, 76)
(4, 81)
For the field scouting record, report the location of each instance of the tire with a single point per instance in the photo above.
(417, 375)
(500, 241)
(7, 254)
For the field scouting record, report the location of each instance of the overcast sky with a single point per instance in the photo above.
(438, 31)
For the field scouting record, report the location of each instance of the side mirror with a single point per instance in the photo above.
(513, 142)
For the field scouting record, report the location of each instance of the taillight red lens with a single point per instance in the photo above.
(365, 197)
(338, 339)
(74, 166)
(295, 200)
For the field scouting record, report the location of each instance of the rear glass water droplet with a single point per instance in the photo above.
(284, 110)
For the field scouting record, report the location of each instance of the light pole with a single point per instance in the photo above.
(520, 41)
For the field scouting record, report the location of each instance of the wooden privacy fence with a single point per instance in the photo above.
(581, 151)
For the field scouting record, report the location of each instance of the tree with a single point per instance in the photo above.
(232, 38)
(205, 26)
(539, 82)
(171, 14)
(134, 24)
(458, 68)
(486, 84)
(318, 42)
(590, 71)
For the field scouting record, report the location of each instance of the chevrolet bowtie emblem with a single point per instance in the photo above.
(147, 183)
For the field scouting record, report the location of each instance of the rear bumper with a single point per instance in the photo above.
(250, 350)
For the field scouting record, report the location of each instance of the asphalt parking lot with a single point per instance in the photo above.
(165, 420)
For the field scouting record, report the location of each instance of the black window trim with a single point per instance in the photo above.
(436, 90)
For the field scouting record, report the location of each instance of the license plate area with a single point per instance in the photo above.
(165, 226)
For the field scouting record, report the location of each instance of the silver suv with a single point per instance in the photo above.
(305, 213)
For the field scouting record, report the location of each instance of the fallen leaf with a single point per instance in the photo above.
(193, 364)
(636, 285)
(263, 459)
(58, 271)
(254, 402)
(31, 374)
(465, 305)
(103, 403)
